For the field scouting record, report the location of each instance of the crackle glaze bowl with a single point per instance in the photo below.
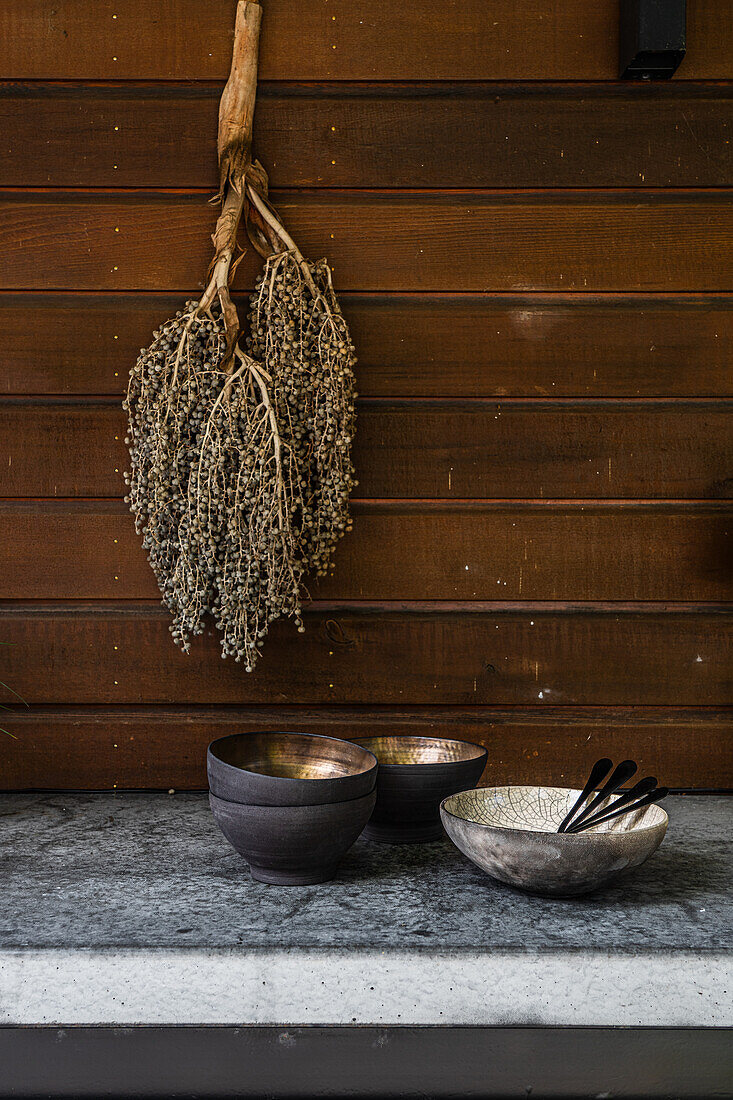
(292, 845)
(511, 833)
(289, 769)
(415, 774)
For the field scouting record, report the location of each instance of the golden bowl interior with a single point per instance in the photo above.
(539, 810)
(399, 749)
(293, 756)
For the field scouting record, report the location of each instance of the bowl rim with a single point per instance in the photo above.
(300, 807)
(210, 751)
(580, 837)
(483, 752)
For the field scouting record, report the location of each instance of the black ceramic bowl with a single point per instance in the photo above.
(293, 845)
(289, 769)
(415, 775)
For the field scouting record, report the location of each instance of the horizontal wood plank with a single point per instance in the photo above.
(164, 748)
(380, 654)
(431, 345)
(496, 135)
(438, 448)
(340, 40)
(85, 550)
(517, 241)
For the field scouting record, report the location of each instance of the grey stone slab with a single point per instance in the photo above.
(132, 909)
(152, 870)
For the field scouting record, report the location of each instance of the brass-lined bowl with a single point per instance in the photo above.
(292, 845)
(415, 774)
(511, 833)
(289, 769)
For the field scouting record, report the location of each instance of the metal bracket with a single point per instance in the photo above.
(652, 39)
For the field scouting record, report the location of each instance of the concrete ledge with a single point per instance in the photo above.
(132, 910)
(395, 988)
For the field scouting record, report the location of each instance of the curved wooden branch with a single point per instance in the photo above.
(277, 233)
(237, 104)
(236, 114)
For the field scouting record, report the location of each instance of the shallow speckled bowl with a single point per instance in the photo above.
(292, 845)
(288, 769)
(511, 833)
(415, 773)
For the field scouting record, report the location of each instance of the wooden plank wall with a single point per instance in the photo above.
(536, 263)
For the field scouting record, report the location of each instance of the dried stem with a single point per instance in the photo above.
(237, 104)
(285, 241)
(236, 113)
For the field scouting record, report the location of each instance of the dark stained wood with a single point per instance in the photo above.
(101, 748)
(477, 449)
(341, 40)
(465, 135)
(381, 654)
(521, 288)
(88, 550)
(414, 345)
(504, 241)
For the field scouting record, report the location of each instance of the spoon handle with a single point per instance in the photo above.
(641, 788)
(620, 774)
(598, 819)
(599, 771)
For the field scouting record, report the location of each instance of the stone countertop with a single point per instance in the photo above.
(133, 909)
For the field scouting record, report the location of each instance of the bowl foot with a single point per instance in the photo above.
(276, 877)
(409, 833)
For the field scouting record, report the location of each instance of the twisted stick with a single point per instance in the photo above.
(234, 145)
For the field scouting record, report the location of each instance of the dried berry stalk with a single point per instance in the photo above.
(240, 456)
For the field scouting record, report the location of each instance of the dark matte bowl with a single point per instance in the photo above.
(511, 834)
(415, 775)
(288, 769)
(293, 845)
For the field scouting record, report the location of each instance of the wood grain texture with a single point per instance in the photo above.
(456, 449)
(105, 748)
(425, 135)
(483, 241)
(404, 654)
(530, 253)
(551, 345)
(403, 551)
(340, 40)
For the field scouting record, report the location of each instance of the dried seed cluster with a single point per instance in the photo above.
(297, 331)
(239, 479)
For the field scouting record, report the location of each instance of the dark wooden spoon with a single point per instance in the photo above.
(599, 771)
(647, 800)
(620, 774)
(641, 788)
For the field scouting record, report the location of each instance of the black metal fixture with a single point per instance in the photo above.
(652, 38)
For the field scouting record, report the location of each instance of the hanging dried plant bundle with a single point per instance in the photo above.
(172, 389)
(240, 459)
(298, 331)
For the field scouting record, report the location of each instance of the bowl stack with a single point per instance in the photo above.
(291, 803)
